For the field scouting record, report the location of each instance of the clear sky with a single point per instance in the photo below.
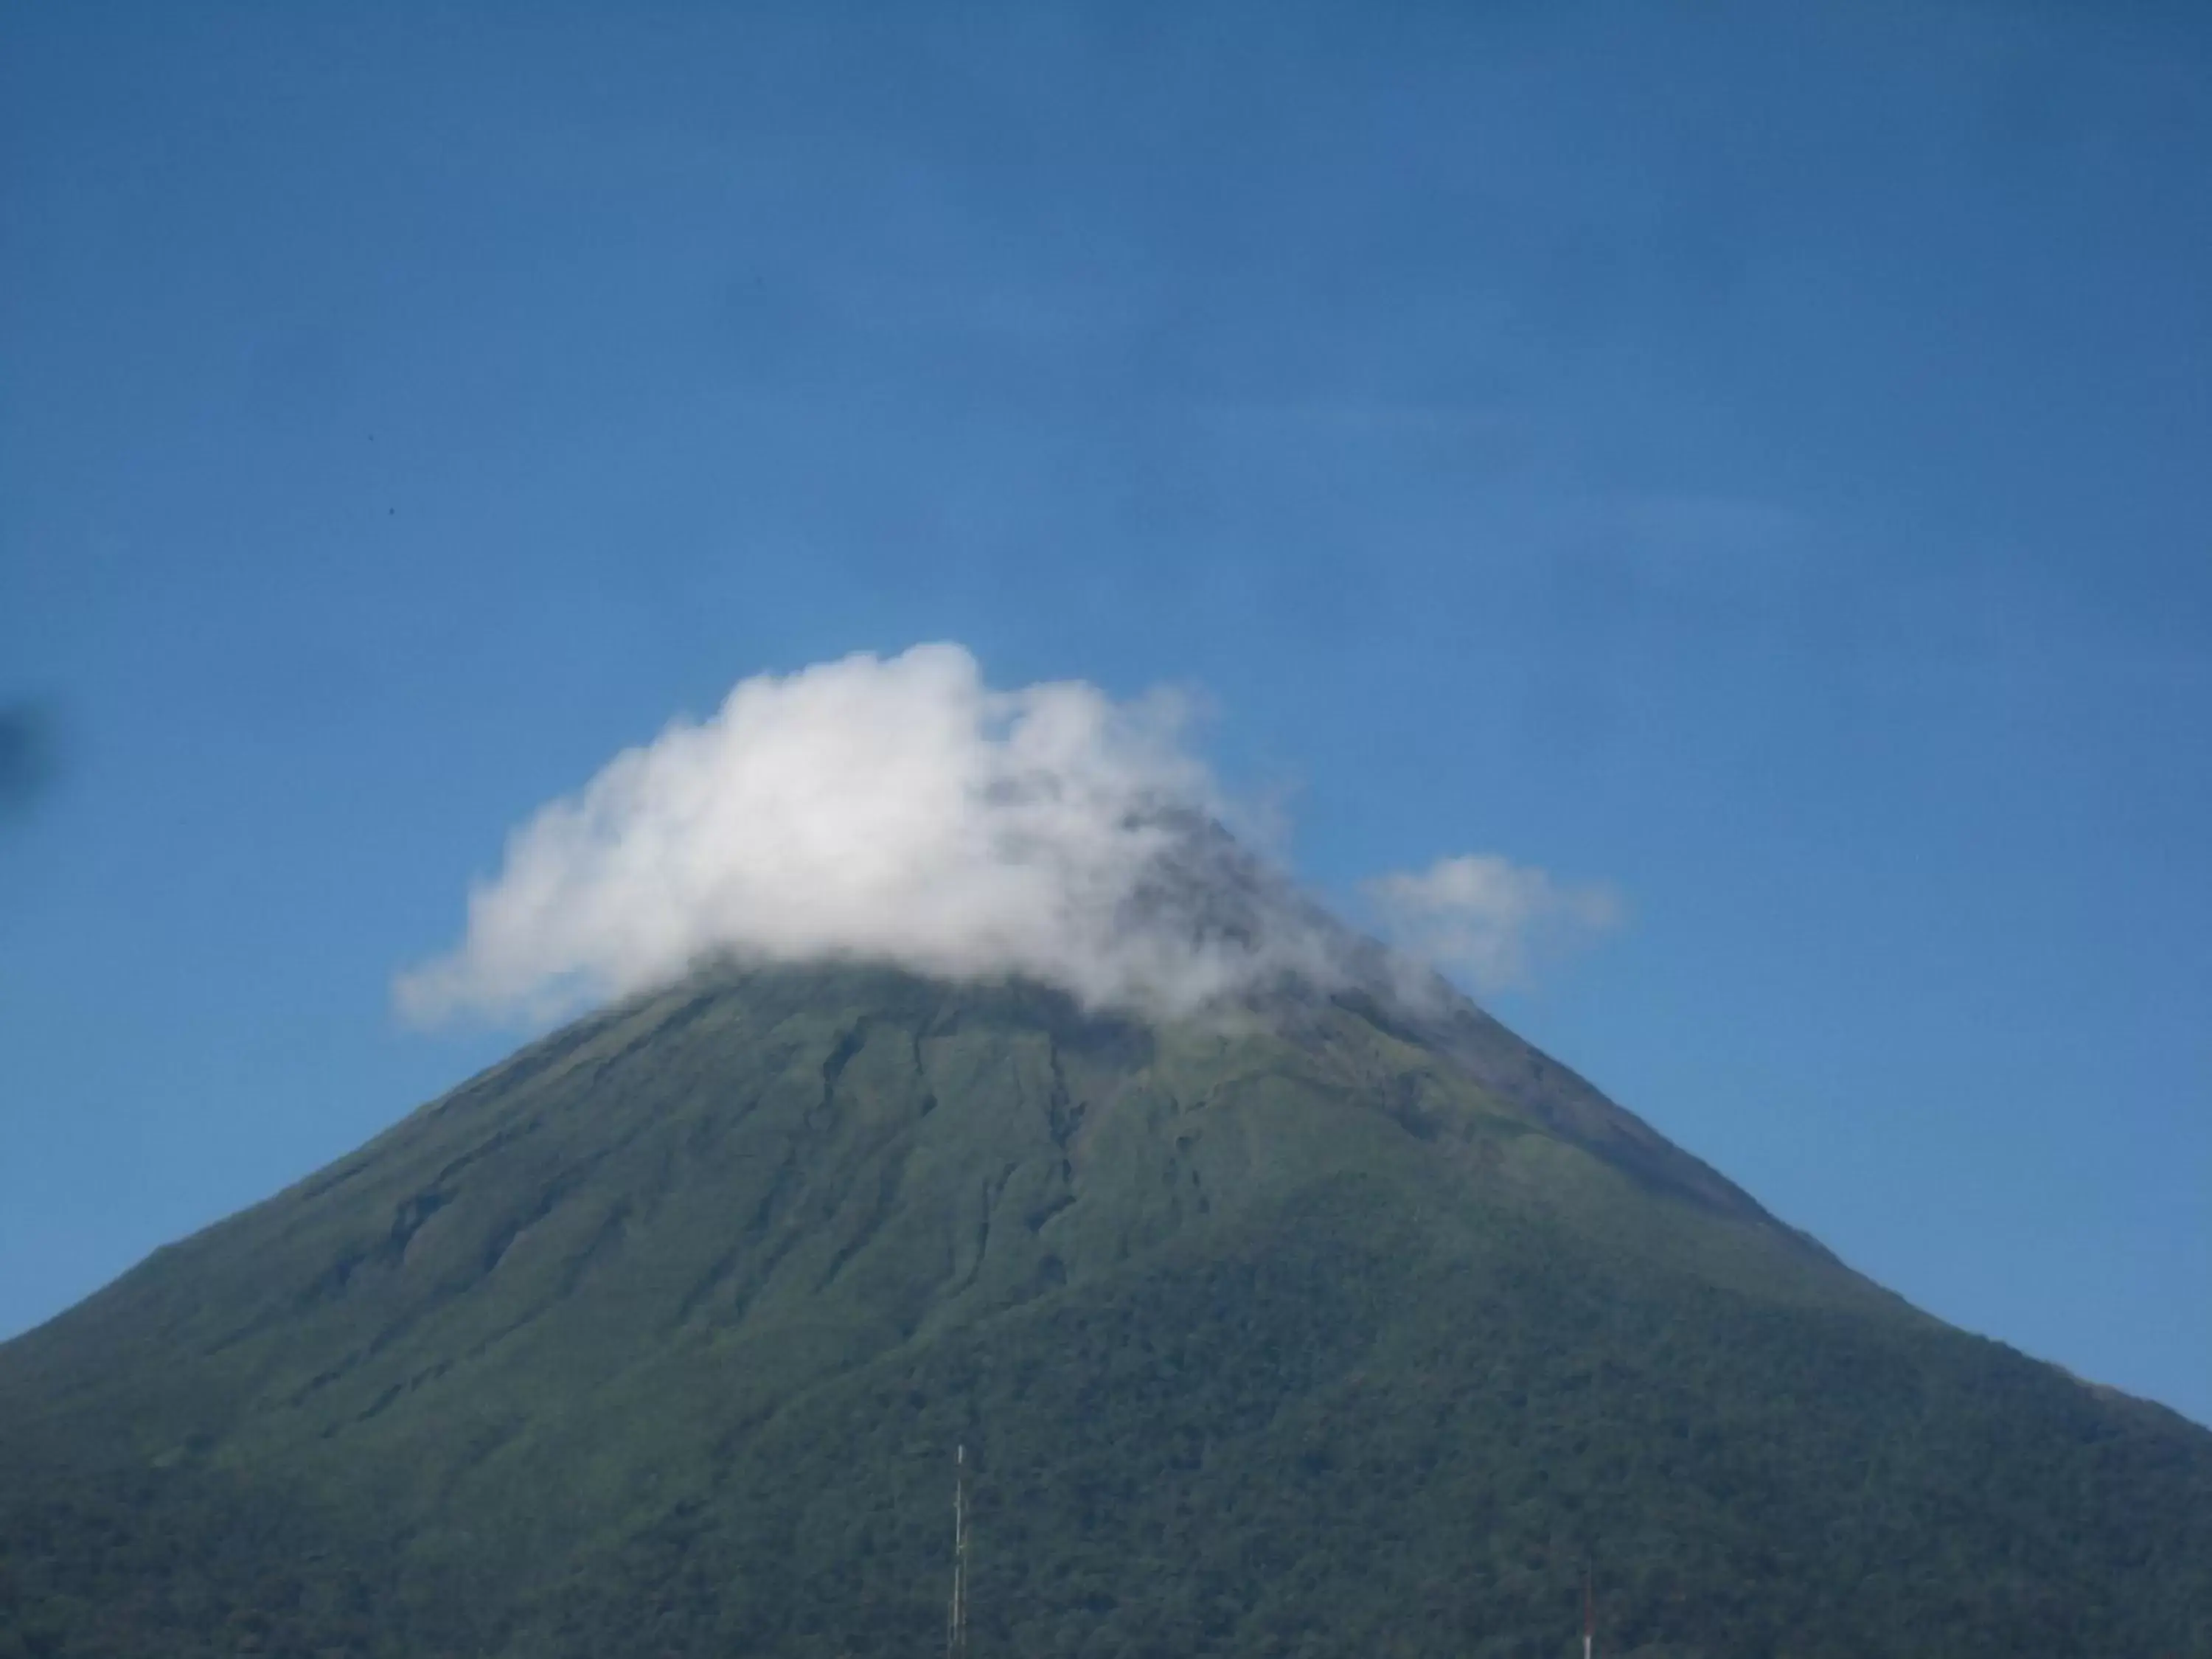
(1761, 463)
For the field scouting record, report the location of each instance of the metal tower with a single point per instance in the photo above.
(956, 1623)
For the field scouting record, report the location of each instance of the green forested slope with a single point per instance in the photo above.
(1341, 1326)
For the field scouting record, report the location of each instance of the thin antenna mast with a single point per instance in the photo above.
(956, 1624)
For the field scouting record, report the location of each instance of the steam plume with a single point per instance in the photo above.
(1490, 920)
(900, 810)
(892, 809)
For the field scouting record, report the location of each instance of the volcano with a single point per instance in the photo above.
(1331, 1318)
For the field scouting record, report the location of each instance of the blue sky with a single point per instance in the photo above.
(1756, 462)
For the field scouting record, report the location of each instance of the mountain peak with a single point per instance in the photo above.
(1271, 1314)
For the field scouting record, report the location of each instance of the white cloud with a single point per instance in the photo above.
(894, 809)
(1490, 919)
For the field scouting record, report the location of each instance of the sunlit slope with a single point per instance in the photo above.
(1337, 1325)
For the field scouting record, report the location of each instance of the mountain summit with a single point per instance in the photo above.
(1329, 1318)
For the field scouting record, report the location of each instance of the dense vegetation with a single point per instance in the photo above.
(1347, 1329)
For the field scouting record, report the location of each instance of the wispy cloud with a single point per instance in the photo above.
(1492, 920)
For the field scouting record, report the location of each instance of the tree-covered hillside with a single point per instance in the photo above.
(1335, 1326)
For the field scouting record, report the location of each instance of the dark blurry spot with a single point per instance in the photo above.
(30, 758)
